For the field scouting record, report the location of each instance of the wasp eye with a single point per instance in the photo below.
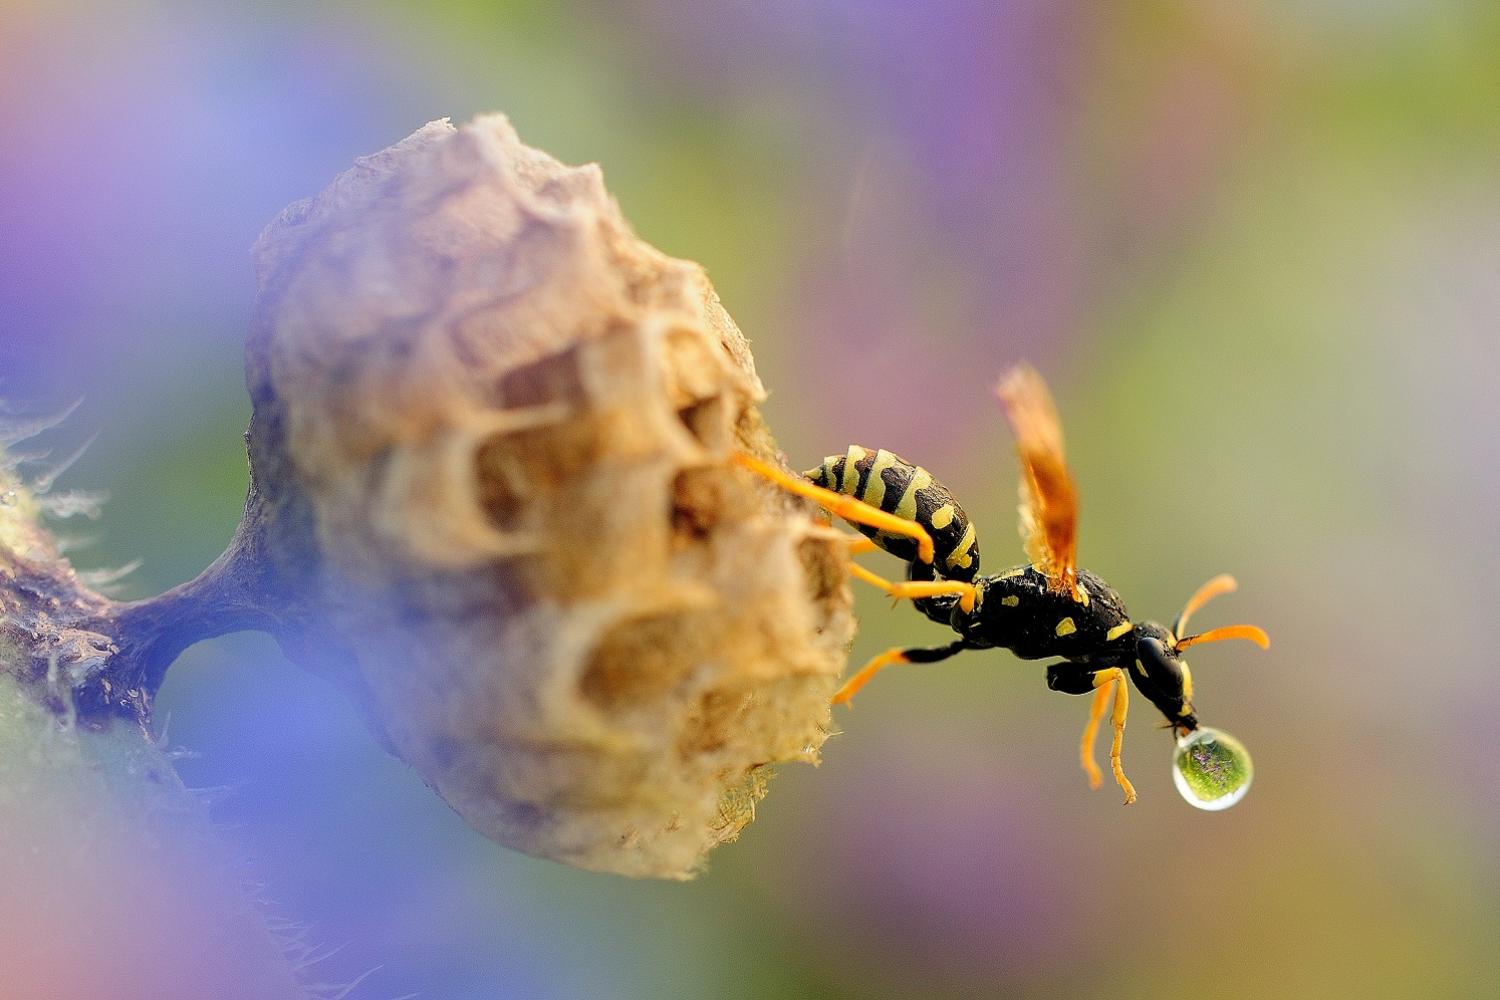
(1163, 669)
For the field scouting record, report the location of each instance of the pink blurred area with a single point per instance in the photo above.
(117, 927)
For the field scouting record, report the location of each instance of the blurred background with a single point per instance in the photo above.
(1255, 249)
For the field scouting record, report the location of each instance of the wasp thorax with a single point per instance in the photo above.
(490, 478)
(1211, 769)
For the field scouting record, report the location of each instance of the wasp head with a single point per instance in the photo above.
(1163, 676)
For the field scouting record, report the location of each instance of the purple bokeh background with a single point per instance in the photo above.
(1254, 252)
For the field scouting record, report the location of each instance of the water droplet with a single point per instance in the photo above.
(1212, 769)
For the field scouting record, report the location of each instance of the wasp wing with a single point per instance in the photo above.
(1049, 500)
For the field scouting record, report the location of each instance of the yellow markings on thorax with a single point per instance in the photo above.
(1016, 571)
(1010, 601)
(1065, 627)
(874, 494)
(1187, 687)
(1118, 631)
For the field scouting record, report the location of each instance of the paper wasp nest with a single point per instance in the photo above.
(491, 489)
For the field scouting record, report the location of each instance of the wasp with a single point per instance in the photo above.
(1042, 609)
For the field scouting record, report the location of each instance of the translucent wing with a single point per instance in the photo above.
(1049, 501)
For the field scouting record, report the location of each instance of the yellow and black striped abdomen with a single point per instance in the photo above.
(885, 480)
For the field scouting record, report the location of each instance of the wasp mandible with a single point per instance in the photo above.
(1044, 608)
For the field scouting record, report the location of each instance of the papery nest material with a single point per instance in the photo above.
(491, 500)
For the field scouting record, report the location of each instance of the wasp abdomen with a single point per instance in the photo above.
(886, 480)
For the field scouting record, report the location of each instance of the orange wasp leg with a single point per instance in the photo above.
(967, 594)
(1090, 734)
(1117, 720)
(909, 654)
(847, 507)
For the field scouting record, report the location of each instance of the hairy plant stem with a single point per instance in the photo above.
(114, 880)
(150, 634)
(97, 658)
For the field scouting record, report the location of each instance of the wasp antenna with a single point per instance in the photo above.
(1221, 584)
(1251, 632)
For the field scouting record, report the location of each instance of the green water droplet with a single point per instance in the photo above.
(1212, 769)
